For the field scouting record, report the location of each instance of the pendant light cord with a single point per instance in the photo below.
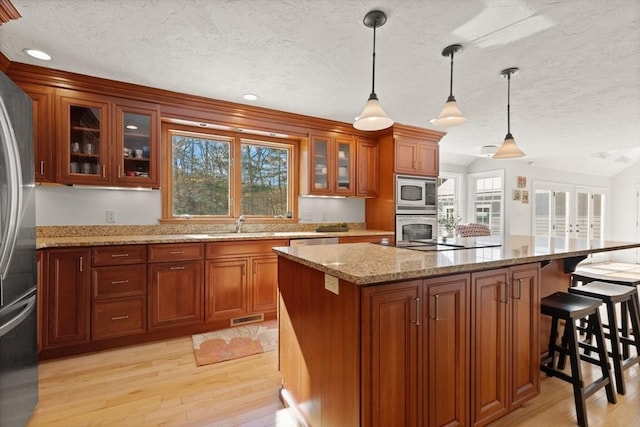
(509, 103)
(373, 73)
(451, 78)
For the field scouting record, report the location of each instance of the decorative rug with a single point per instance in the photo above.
(236, 342)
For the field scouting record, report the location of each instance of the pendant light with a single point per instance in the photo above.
(373, 116)
(509, 149)
(451, 114)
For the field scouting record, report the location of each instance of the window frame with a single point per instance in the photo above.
(235, 173)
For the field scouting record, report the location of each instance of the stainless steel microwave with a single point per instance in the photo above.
(416, 195)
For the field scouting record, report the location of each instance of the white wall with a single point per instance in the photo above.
(63, 205)
(624, 212)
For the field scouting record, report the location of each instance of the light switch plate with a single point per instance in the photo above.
(332, 284)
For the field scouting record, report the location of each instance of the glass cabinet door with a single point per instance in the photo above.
(321, 165)
(84, 154)
(136, 149)
(344, 166)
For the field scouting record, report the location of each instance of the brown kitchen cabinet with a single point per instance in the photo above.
(504, 343)
(241, 279)
(391, 355)
(423, 327)
(331, 165)
(89, 125)
(416, 157)
(119, 289)
(175, 284)
(445, 389)
(67, 297)
(43, 111)
(367, 167)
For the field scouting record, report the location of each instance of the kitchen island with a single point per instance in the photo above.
(379, 335)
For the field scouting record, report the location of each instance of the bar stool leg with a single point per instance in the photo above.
(576, 373)
(602, 354)
(551, 351)
(615, 348)
(634, 312)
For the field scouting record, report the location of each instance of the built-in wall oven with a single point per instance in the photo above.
(415, 227)
(416, 195)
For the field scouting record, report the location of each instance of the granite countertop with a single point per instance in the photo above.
(89, 240)
(366, 263)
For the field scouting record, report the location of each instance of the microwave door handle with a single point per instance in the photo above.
(13, 193)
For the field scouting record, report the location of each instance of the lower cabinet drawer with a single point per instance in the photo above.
(118, 317)
(121, 281)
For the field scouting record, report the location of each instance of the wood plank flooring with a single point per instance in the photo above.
(158, 384)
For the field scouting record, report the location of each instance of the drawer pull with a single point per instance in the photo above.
(118, 282)
(176, 268)
(120, 317)
(118, 255)
(176, 252)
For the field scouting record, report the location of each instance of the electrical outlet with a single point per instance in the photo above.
(307, 215)
(111, 217)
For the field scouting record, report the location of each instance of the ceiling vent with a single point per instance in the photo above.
(488, 150)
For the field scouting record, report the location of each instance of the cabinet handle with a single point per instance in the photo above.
(41, 167)
(120, 317)
(506, 288)
(104, 171)
(176, 268)
(81, 262)
(417, 320)
(435, 307)
(503, 292)
(118, 255)
(119, 176)
(176, 252)
(118, 282)
(519, 289)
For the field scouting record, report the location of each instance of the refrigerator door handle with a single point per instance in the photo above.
(16, 320)
(10, 223)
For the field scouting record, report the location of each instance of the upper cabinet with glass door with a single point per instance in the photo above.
(137, 148)
(331, 165)
(83, 154)
(88, 154)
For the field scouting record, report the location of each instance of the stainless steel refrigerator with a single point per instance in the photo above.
(18, 333)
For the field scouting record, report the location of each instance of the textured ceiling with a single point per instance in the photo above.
(575, 105)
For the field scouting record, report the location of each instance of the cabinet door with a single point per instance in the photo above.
(367, 168)
(489, 356)
(136, 151)
(264, 284)
(321, 173)
(391, 355)
(42, 98)
(175, 293)
(84, 137)
(428, 159)
(344, 166)
(525, 315)
(68, 297)
(406, 156)
(447, 358)
(226, 289)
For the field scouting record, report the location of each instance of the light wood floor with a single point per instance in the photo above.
(158, 384)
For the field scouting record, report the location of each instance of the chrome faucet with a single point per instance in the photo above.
(239, 223)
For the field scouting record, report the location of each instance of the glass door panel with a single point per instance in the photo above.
(561, 225)
(542, 214)
(582, 215)
(136, 156)
(344, 164)
(86, 140)
(321, 165)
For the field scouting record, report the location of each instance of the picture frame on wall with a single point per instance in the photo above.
(517, 195)
(525, 196)
(522, 181)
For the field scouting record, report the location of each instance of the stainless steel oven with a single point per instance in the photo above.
(415, 227)
(416, 195)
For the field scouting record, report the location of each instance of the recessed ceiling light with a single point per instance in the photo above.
(132, 127)
(38, 54)
(250, 97)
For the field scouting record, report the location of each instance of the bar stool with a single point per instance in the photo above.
(580, 277)
(571, 308)
(611, 294)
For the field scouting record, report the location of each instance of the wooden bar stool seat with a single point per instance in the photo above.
(571, 308)
(611, 294)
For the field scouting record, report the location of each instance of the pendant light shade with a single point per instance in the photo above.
(509, 149)
(451, 114)
(373, 116)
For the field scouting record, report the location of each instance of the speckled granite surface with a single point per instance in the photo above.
(69, 236)
(365, 263)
